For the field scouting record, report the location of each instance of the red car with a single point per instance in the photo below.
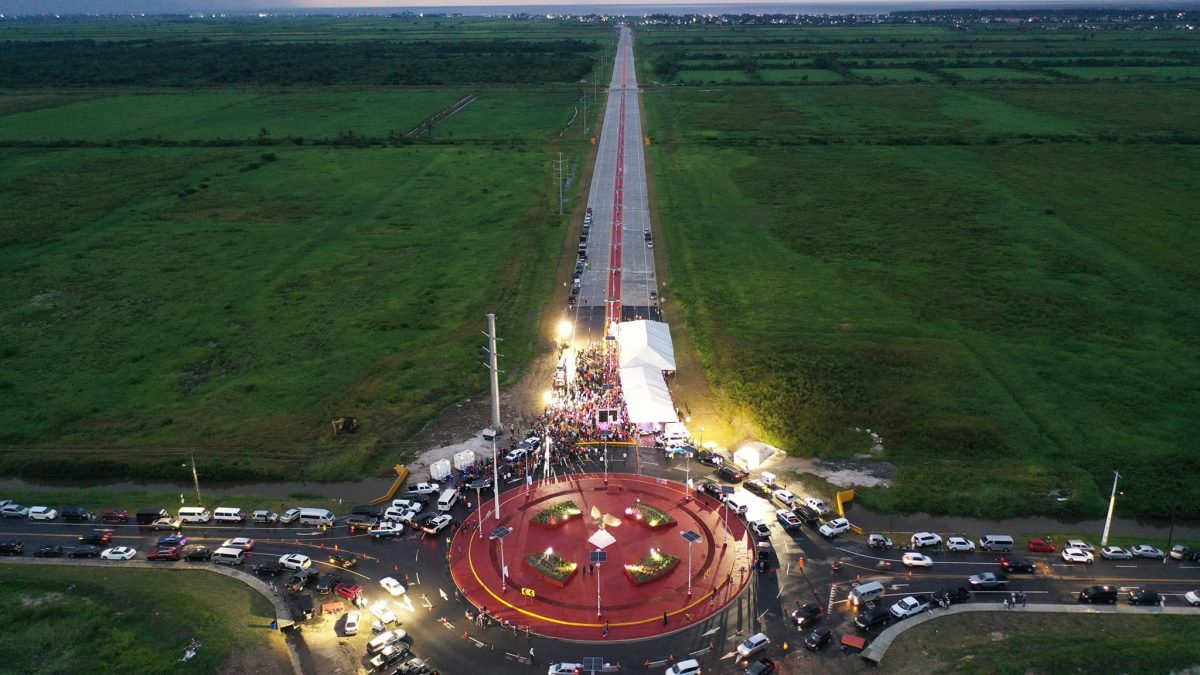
(163, 554)
(1040, 545)
(114, 515)
(348, 590)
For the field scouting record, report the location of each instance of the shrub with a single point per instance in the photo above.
(652, 567)
(556, 514)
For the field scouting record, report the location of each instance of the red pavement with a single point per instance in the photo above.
(719, 572)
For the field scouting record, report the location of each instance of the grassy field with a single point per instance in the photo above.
(998, 278)
(134, 621)
(1022, 642)
(227, 269)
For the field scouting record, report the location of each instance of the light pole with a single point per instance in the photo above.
(688, 473)
(479, 526)
(727, 490)
(499, 534)
(598, 558)
(692, 537)
(195, 481)
(1112, 504)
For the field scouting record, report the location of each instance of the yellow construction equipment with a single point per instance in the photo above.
(401, 476)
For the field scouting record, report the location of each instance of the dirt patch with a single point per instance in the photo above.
(259, 661)
(30, 601)
(840, 472)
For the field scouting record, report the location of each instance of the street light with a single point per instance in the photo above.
(564, 330)
(692, 537)
(1112, 504)
(598, 557)
(727, 490)
(499, 534)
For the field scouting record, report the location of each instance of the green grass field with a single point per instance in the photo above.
(134, 621)
(998, 278)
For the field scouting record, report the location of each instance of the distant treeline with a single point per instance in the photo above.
(87, 63)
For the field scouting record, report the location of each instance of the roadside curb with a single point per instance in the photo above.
(880, 645)
(281, 609)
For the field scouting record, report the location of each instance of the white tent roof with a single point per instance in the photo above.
(646, 396)
(646, 343)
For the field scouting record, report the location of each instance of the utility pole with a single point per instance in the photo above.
(585, 117)
(559, 167)
(196, 480)
(495, 373)
(1112, 503)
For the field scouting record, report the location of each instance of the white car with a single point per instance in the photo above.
(786, 498)
(760, 528)
(351, 627)
(1115, 553)
(817, 505)
(754, 644)
(383, 613)
(689, 667)
(1145, 551)
(244, 543)
(392, 586)
(14, 510)
(425, 489)
(438, 524)
(909, 606)
(515, 455)
(295, 561)
(1077, 555)
(386, 528)
(912, 559)
(565, 669)
(925, 539)
(405, 504)
(118, 553)
(960, 544)
(1192, 598)
(290, 516)
(42, 513)
(835, 527)
(1080, 544)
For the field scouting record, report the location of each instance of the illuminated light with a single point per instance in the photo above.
(549, 396)
(564, 329)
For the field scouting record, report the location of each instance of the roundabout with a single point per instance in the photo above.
(645, 587)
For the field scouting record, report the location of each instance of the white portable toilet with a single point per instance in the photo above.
(440, 469)
(464, 459)
(768, 478)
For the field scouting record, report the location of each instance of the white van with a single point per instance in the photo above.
(738, 504)
(229, 556)
(229, 514)
(448, 499)
(864, 593)
(194, 514)
(317, 517)
(995, 542)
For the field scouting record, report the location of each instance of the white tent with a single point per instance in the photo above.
(753, 455)
(646, 396)
(646, 343)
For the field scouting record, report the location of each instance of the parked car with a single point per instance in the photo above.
(264, 517)
(818, 639)
(392, 586)
(1146, 551)
(95, 539)
(1115, 553)
(14, 510)
(386, 528)
(169, 554)
(911, 605)
(1099, 594)
(172, 541)
(197, 553)
(76, 514)
(688, 667)
(1077, 555)
(270, 568)
(952, 596)
(565, 669)
(806, 514)
(1192, 598)
(913, 559)
(360, 523)
(1144, 597)
(710, 488)
(1079, 544)
(327, 583)
(1016, 565)
(873, 618)
(351, 625)
(343, 560)
(114, 516)
(425, 489)
(290, 516)
(785, 497)
(295, 561)
(348, 590)
(437, 524)
(301, 579)
(925, 540)
(166, 523)
(787, 519)
(807, 615)
(731, 473)
(754, 644)
(1040, 545)
(757, 487)
(84, 551)
(383, 613)
(12, 547)
(49, 552)
(118, 553)
(42, 513)
(709, 458)
(987, 580)
(760, 528)
(961, 544)
(878, 541)
(390, 655)
(761, 667)
(244, 543)
(835, 527)
(387, 637)
(1178, 552)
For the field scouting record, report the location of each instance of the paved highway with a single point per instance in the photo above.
(422, 560)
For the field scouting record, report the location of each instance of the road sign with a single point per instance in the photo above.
(529, 592)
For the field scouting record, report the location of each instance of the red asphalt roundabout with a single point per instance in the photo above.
(721, 564)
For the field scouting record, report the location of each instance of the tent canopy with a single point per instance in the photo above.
(646, 343)
(646, 396)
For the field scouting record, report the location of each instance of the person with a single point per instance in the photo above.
(531, 653)
(664, 618)
(1006, 603)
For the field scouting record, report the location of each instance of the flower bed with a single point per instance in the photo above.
(556, 570)
(654, 566)
(650, 516)
(553, 516)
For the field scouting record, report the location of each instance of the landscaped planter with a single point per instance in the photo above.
(651, 568)
(556, 515)
(554, 569)
(650, 516)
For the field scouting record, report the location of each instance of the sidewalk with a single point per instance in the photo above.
(277, 600)
(880, 645)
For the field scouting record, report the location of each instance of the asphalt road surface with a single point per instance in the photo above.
(620, 161)
(772, 594)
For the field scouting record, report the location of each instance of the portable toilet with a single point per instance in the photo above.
(769, 478)
(464, 459)
(440, 469)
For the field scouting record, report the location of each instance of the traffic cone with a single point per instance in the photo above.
(910, 573)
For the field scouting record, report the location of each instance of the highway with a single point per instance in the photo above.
(421, 559)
